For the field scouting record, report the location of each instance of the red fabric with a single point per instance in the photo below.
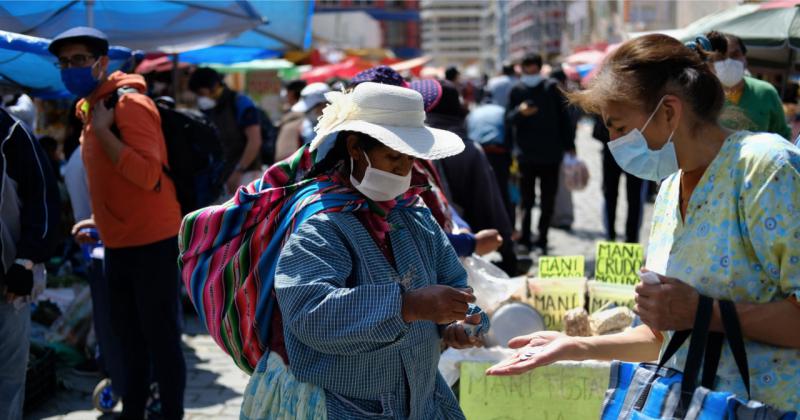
(276, 343)
(424, 173)
(383, 242)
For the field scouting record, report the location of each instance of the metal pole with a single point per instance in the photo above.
(175, 77)
(90, 13)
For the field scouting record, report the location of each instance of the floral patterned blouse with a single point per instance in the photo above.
(740, 241)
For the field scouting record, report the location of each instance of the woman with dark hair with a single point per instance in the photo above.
(725, 222)
(750, 103)
(343, 286)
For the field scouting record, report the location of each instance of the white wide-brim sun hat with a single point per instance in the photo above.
(392, 115)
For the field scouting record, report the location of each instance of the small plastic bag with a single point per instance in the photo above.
(575, 173)
(491, 285)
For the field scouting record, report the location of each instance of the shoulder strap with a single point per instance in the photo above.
(711, 360)
(733, 330)
(675, 343)
(111, 102)
(697, 346)
(704, 307)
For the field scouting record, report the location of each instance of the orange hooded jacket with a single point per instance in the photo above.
(133, 201)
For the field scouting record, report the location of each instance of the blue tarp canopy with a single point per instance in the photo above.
(26, 63)
(165, 26)
(203, 31)
(288, 28)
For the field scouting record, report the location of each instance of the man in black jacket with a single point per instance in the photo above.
(541, 132)
(29, 217)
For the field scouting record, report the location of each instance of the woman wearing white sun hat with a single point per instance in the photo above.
(367, 294)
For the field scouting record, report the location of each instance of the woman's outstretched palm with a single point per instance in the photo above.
(535, 350)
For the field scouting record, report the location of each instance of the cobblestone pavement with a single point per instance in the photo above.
(215, 385)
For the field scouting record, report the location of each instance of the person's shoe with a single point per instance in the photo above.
(542, 245)
(524, 246)
(524, 264)
(564, 227)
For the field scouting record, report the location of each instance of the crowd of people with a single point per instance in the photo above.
(353, 209)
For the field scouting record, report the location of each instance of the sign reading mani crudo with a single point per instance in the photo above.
(618, 262)
(561, 267)
(561, 391)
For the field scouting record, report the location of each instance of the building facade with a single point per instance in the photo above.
(593, 23)
(399, 22)
(452, 31)
(535, 27)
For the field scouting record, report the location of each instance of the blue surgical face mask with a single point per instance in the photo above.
(634, 157)
(531, 80)
(79, 80)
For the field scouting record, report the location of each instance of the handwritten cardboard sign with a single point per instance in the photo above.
(561, 267)
(618, 263)
(601, 294)
(562, 391)
(554, 297)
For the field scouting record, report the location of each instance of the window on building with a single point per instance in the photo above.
(395, 35)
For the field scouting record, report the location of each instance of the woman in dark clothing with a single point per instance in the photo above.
(470, 171)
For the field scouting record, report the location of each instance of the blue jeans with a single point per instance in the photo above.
(14, 345)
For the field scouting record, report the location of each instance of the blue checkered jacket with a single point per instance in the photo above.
(341, 299)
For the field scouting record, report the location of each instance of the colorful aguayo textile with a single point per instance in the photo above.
(229, 251)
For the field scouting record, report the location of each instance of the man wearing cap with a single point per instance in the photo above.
(305, 112)
(237, 120)
(136, 212)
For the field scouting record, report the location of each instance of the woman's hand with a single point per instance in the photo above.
(535, 350)
(456, 337)
(438, 303)
(669, 306)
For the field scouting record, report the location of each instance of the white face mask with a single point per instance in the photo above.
(205, 103)
(729, 71)
(378, 185)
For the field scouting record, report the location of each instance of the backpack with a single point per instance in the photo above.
(269, 133)
(194, 154)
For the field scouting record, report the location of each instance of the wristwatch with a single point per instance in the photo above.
(25, 263)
